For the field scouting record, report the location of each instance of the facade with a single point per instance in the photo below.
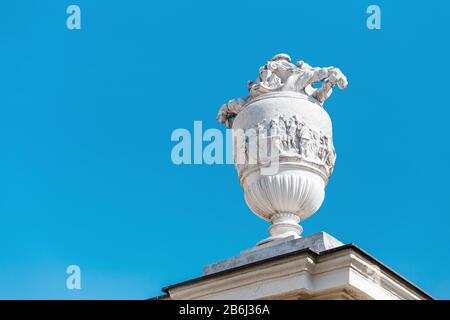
(310, 268)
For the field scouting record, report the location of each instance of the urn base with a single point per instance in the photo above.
(284, 225)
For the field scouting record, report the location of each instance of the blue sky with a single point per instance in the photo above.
(86, 176)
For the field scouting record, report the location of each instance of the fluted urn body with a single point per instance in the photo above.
(283, 142)
(285, 175)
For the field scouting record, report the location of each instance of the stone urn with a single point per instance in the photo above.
(283, 143)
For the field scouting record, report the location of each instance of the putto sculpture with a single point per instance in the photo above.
(280, 74)
(281, 124)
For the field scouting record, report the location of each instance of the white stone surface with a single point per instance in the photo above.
(283, 146)
(317, 242)
(343, 273)
(280, 74)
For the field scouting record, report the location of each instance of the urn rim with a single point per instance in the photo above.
(283, 94)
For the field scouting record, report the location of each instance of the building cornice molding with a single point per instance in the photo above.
(306, 274)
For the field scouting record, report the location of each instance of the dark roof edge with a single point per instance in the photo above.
(308, 251)
(389, 270)
(213, 275)
(161, 297)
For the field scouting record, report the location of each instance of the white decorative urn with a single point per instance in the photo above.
(283, 146)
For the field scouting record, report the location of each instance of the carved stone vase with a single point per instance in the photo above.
(283, 148)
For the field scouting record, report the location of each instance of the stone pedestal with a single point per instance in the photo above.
(314, 267)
